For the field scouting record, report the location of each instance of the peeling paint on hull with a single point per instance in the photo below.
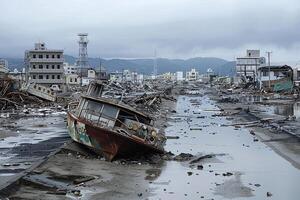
(107, 142)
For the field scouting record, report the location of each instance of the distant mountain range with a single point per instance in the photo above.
(145, 66)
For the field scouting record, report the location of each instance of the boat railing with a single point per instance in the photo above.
(72, 106)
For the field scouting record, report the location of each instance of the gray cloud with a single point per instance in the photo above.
(134, 28)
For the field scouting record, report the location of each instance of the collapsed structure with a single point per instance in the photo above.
(276, 78)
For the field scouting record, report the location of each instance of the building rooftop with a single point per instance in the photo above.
(276, 67)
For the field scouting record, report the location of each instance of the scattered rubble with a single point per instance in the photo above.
(151, 99)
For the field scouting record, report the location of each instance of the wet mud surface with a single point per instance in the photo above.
(220, 162)
(27, 140)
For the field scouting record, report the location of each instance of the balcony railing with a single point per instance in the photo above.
(46, 60)
(46, 71)
(48, 81)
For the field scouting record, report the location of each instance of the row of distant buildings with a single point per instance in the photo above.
(46, 67)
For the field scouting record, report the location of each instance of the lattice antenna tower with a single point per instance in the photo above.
(83, 55)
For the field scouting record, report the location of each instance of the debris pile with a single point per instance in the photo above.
(10, 98)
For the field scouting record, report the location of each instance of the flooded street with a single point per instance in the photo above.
(256, 168)
(27, 140)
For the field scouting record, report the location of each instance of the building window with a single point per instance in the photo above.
(33, 66)
(53, 56)
(58, 66)
(47, 56)
(47, 76)
(40, 76)
(33, 56)
(33, 76)
(53, 76)
(40, 66)
(47, 66)
(71, 80)
(40, 56)
(52, 66)
(265, 73)
(58, 76)
(58, 56)
(75, 80)
(276, 73)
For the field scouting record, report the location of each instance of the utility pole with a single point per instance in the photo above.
(155, 64)
(100, 64)
(255, 73)
(269, 64)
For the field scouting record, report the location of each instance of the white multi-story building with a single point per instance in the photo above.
(3, 66)
(91, 76)
(72, 79)
(44, 66)
(246, 66)
(127, 75)
(140, 78)
(192, 75)
(70, 69)
(179, 76)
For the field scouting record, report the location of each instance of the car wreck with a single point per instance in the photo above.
(110, 127)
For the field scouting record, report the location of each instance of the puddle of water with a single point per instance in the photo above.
(284, 109)
(251, 98)
(35, 130)
(36, 138)
(252, 162)
(288, 110)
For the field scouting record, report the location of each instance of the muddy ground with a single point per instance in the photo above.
(221, 161)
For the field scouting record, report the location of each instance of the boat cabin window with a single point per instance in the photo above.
(91, 110)
(79, 108)
(143, 119)
(98, 113)
(123, 116)
(109, 111)
(95, 90)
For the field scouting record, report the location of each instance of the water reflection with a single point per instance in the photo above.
(250, 162)
(251, 98)
(288, 109)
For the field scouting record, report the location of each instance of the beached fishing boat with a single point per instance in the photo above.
(112, 128)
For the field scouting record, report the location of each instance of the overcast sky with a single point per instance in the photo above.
(134, 28)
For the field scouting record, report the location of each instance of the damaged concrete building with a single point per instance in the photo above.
(192, 75)
(45, 66)
(276, 78)
(246, 66)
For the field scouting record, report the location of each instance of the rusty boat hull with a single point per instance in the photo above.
(106, 142)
